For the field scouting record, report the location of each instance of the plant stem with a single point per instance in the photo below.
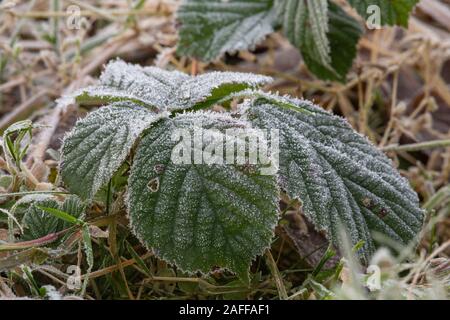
(276, 274)
(418, 146)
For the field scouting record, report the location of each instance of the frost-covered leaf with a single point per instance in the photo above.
(73, 206)
(100, 143)
(392, 12)
(327, 44)
(338, 175)
(211, 28)
(150, 86)
(160, 89)
(200, 216)
(206, 89)
(317, 29)
(15, 142)
(38, 222)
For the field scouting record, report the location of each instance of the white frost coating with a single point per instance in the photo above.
(201, 216)
(211, 28)
(337, 174)
(99, 143)
(159, 89)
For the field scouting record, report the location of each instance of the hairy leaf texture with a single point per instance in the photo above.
(328, 51)
(200, 216)
(99, 144)
(161, 90)
(392, 12)
(340, 177)
(211, 28)
(38, 223)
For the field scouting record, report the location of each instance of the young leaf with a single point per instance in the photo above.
(100, 143)
(391, 12)
(15, 144)
(341, 179)
(200, 216)
(75, 207)
(165, 90)
(328, 52)
(211, 28)
(150, 85)
(44, 214)
(38, 223)
(61, 215)
(87, 246)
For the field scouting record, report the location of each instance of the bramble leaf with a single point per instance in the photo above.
(392, 12)
(38, 222)
(160, 89)
(327, 44)
(211, 28)
(338, 175)
(100, 143)
(200, 216)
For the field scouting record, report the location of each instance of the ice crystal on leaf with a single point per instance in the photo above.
(324, 33)
(224, 26)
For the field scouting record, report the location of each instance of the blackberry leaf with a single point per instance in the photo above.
(200, 216)
(99, 144)
(39, 223)
(211, 28)
(160, 89)
(327, 43)
(338, 175)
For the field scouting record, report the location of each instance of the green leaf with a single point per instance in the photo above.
(162, 90)
(15, 144)
(87, 246)
(37, 223)
(73, 206)
(340, 177)
(327, 43)
(200, 216)
(45, 214)
(61, 215)
(392, 12)
(99, 144)
(211, 28)
(318, 29)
